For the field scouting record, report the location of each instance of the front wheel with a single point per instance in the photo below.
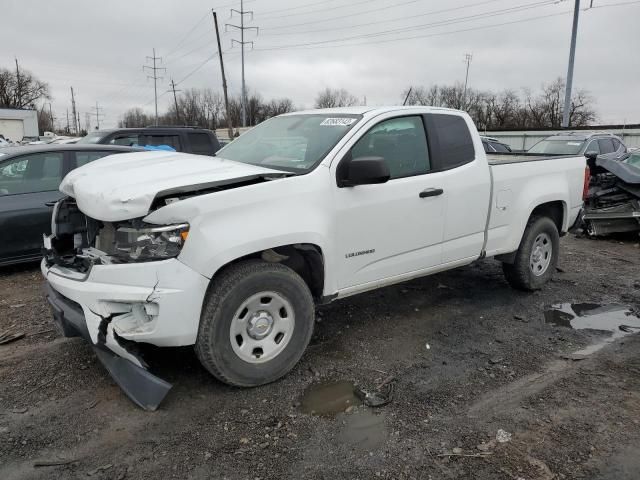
(256, 322)
(537, 256)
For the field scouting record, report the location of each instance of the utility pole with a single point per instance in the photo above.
(68, 131)
(79, 125)
(18, 85)
(175, 99)
(467, 58)
(73, 112)
(572, 54)
(51, 116)
(224, 79)
(242, 28)
(97, 114)
(155, 77)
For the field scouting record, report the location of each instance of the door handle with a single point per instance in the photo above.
(431, 192)
(49, 204)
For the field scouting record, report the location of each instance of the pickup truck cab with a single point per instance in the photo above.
(231, 253)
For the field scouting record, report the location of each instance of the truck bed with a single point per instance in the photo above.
(502, 158)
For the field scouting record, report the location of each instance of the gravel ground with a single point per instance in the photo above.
(465, 355)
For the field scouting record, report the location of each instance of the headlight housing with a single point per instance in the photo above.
(149, 243)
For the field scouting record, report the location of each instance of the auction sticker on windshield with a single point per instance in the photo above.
(338, 122)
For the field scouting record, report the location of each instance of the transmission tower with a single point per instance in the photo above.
(155, 77)
(242, 12)
(97, 114)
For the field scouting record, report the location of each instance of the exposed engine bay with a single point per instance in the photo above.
(78, 241)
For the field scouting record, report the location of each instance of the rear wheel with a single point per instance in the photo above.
(537, 256)
(256, 323)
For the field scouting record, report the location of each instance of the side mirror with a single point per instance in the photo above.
(362, 171)
(591, 160)
(591, 155)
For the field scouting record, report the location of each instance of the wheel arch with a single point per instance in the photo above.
(306, 259)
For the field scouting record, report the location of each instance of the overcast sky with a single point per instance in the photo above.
(373, 48)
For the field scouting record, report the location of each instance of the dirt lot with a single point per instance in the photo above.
(491, 363)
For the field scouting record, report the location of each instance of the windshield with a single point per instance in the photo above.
(294, 143)
(93, 137)
(558, 147)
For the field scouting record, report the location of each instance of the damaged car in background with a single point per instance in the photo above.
(613, 202)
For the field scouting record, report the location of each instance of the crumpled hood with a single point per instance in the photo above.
(122, 187)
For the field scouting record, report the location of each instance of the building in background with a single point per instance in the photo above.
(16, 124)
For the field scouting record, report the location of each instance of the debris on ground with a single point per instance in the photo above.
(10, 336)
(99, 469)
(502, 436)
(53, 463)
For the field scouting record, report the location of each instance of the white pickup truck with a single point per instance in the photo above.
(232, 253)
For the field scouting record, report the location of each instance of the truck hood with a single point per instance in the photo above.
(124, 186)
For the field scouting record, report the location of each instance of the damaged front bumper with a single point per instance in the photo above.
(114, 307)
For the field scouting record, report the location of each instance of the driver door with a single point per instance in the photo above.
(389, 231)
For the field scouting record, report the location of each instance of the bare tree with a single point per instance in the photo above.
(135, 118)
(508, 109)
(330, 98)
(20, 89)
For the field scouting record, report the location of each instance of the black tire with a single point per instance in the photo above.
(224, 298)
(520, 274)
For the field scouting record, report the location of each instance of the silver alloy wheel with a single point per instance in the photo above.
(541, 253)
(262, 327)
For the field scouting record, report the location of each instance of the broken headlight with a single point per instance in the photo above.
(149, 243)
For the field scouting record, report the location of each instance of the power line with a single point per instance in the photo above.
(155, 77)
(242, 12)
(340, 17)
(390, 20)
(208, 59)
(302, 47)
(428, 25)
(271, 12)
(323, 9)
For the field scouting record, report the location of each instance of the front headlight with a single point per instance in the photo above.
(150, 243)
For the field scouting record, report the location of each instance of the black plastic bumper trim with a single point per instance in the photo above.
(141, 386)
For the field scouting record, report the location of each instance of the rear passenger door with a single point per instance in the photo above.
(28, 188)
(464, 176)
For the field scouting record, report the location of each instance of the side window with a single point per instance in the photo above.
(593, 147)
(450, 142)
(127, 140)
(402, 142)
(606, 145)
(40, 172)
(161, 139)
(82, 158)
(499, 147)
(200, 143)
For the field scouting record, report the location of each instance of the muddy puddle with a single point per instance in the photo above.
(329, 398)
(617, 320)
(362, 429)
